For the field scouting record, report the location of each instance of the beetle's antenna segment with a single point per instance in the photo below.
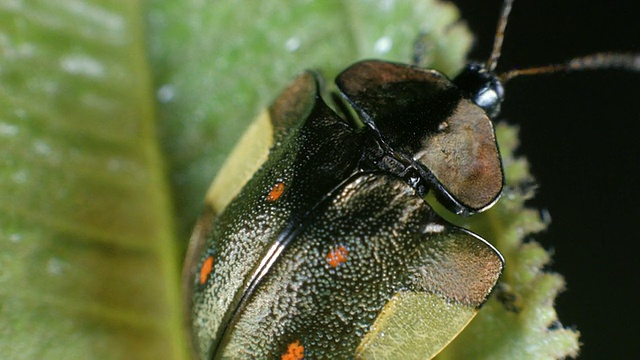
(499, 39)
(598, 61)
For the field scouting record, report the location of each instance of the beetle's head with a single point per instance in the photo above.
(482, 86)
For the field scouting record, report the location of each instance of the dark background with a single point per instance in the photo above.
(581, 134)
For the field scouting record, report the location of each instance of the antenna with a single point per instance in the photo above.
(482, 85)
(492, 62)
(598, 61)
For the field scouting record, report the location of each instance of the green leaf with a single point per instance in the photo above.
(88, 260)
(115, 116)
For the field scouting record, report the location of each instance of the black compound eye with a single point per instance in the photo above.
(490, 97)
(482, 87)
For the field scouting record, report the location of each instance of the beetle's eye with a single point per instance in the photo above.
(489, 98)
(482, 87)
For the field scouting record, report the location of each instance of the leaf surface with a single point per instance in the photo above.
(87, 250)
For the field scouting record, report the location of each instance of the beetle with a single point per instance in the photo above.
(329, 248)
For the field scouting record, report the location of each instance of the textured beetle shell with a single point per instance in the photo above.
(271, 283)
(249, 224)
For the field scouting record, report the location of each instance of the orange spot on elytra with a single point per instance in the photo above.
(337, 256)
(276, 191)
(295, 351)
(205, 269)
